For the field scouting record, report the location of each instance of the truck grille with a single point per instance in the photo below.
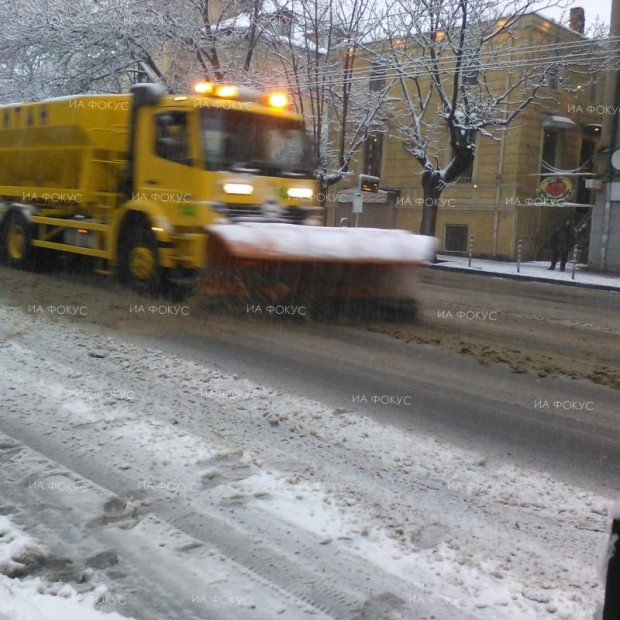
(264, 213)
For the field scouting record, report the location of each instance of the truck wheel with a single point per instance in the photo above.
(138, 263)
(16, 242)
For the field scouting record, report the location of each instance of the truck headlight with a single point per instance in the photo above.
(300, 193)
(240, 189)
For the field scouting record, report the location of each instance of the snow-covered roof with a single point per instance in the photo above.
(242, 21)
(559, 122)
(295, 36)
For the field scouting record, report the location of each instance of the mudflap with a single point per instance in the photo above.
(318, 267)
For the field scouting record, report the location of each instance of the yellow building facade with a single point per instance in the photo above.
(497, 207)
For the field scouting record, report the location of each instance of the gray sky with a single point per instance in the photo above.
(602, 8)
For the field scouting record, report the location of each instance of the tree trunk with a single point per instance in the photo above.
(323, 187)
(433, 187)
(434, 181)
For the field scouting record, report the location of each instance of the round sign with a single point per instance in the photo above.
(555, 189)
(615, 160)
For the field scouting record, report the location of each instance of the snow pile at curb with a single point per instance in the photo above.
(34, 598)
(17, 550)
(23, 600)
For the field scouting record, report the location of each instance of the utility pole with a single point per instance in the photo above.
(605, 231)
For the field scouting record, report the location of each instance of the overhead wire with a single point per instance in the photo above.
(509, 58)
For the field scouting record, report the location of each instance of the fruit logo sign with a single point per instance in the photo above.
(555, 189)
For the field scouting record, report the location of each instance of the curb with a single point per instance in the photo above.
(516, 276)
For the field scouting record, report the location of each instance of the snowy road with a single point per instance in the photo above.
(189, 492)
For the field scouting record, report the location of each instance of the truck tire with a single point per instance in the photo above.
(138, 262)
(16, 242)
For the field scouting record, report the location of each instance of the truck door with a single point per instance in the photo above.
(167, 161)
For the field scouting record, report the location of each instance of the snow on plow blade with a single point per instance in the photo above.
(268, 260)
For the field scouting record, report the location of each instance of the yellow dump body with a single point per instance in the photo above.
(68, 150)
(171, 188)
(85, 169)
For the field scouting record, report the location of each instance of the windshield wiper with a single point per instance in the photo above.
(296, 173)
(254, 166)
(243, 166)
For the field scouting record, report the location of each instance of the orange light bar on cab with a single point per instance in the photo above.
(203, 88)
(277, 100)
(227, 91)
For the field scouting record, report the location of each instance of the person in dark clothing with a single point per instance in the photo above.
(562, 242)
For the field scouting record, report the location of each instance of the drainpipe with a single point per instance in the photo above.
(606, 222)
(500, 176)
(611, 174)
(498, 192)
(613, 141)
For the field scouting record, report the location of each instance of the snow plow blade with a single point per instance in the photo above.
(269, 262)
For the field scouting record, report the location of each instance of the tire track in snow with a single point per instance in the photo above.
(221, 424)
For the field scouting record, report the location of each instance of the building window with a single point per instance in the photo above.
(550, 149)
(593, 88)
(455, 237)
(171, 138)
(471, 67)
(282, 24)
(373, 154)
(467, 174)
(553, 77)
(378, 73)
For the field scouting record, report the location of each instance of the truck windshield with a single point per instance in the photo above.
(272, 146)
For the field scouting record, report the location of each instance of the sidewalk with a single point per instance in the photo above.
(532, 270)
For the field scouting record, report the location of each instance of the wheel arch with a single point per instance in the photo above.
(26, 211)
(136, 213)
(5, 211)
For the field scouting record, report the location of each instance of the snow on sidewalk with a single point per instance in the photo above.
(531, 269)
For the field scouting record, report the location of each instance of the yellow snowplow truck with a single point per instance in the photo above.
(214, 187)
